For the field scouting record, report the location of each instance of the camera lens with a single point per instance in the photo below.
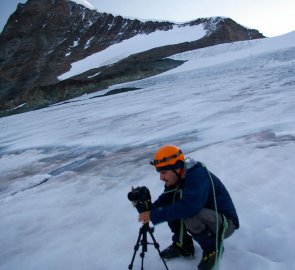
(131, 196)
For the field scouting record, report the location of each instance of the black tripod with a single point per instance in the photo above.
(142, 241)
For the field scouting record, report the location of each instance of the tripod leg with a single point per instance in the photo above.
(157, 246)
(142, 257)
(143, 243)
(142, 240)
(135, 250)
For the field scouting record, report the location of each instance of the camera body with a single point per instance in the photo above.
(141, 198)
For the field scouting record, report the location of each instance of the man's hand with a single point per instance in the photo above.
(144, 217)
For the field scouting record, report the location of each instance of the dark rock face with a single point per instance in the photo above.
(43, 37)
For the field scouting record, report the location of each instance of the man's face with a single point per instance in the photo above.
(169, 177)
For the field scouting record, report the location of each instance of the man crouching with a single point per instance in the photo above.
(196, 206)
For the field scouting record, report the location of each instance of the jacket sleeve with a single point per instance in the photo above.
(164, 199)
(195, 192)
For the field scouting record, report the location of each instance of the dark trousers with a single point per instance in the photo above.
(202, 227)
(180, 236)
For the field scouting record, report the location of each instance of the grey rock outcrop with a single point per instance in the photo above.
(43, 37)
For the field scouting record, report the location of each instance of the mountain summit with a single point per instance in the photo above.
(43, 38)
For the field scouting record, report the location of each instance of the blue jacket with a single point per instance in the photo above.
(197, 193)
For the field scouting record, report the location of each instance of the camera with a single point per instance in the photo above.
(141, 198)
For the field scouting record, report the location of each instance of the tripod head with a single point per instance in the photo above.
(147, 227)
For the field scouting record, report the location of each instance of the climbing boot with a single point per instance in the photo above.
(209, 260)
(176, 250)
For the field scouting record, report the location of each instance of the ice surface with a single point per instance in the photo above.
(237, 117)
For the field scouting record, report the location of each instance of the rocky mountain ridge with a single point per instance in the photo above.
(43, 37)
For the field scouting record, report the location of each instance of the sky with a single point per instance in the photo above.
(66, 169)
(270, 17)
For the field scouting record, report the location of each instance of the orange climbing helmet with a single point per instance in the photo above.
(168, 157)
